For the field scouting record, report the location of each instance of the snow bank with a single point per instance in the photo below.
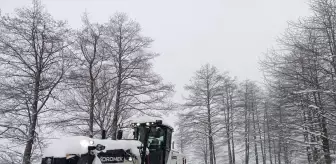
(79, 145)
(63, 146)
(144, 119)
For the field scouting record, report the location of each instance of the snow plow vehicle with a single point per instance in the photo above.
(150, 142)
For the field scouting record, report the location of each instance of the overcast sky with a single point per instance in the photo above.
(230, 34)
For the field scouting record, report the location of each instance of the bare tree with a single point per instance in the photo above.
(137, 86)
(34, 60)
(301, 78)
(91, 62)
(202, 105)
(183, 135)
(228, 91)
(244, 92)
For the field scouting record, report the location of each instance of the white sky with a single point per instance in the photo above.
(230, 34)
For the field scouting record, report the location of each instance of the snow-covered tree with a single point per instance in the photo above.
(34, 61)
(202, 106)
(137, 86)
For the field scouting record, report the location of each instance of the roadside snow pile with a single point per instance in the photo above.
(69, 145)
(144, 119)
(79, 145)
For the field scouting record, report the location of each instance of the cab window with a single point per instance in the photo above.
(169, 136)
(156, 136)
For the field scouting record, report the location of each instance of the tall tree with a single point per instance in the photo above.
(137, 86)
(91, 62)
(228, 91)
(34, 60)
(303, 74)
(183, 135)
(202, 103)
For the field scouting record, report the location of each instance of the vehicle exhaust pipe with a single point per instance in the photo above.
(103, 134)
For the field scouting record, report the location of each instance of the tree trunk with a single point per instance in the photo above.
(214, 153)
(279, 150)
(229, 147)
(268, 135)
(206, 152)
(312, 137)
(209, 124)
(280, 136)
(233, 148)
(116, 109)
(261, 140)
(227, 122)
(92, 89)
(255, 136)
(246, 131)
(33, 116)
(210, 142)
(305, 134)
(30, 141)
(118, 95)
(325, 142)
(286, 153)
(91, 102)
(264, 137)
(325, 139)
(274, 152)
(232, 126)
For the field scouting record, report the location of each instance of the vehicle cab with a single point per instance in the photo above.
(157, 137)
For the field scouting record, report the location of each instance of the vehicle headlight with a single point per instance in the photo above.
(129, 156)
(86, 143)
